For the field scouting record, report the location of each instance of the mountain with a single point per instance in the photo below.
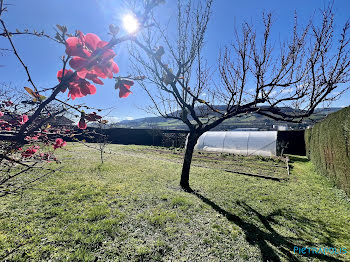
(251, 120)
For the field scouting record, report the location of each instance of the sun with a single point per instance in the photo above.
(130, 23)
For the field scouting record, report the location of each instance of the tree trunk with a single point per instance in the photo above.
(185, 174)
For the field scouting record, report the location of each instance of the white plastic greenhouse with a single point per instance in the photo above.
(263, 143)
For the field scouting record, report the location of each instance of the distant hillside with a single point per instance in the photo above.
(252, 120)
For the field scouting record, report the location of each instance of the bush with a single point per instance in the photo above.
(328, 147)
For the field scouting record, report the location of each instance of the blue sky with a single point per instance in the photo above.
(94, 16)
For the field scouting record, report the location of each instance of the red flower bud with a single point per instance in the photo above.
(82, 124)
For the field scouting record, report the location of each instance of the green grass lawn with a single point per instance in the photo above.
(132, 209)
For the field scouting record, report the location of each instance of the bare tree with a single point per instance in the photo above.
(255, 76)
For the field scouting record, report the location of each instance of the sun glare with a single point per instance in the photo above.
(130, 23)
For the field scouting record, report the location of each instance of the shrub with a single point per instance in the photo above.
(328, 147)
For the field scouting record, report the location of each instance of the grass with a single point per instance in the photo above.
(132, 209)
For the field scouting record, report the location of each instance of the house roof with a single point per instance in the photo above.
(56, 121)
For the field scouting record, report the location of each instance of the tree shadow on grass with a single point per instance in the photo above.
(268, 237)
(295, 158)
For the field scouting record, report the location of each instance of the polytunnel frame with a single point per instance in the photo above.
(262, 150)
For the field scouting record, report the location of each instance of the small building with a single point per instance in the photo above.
(280, 127)
(60, 121)
(246, 129)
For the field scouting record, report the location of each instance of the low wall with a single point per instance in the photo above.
(149, 137)
(288, 142)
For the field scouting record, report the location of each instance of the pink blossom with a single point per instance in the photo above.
(30, 151)
(24, 118)
(59, 143)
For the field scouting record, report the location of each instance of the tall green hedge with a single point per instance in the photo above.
(328, 147)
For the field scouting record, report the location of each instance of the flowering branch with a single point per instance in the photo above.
(41, 34)
(17, 55)
(90, 60)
